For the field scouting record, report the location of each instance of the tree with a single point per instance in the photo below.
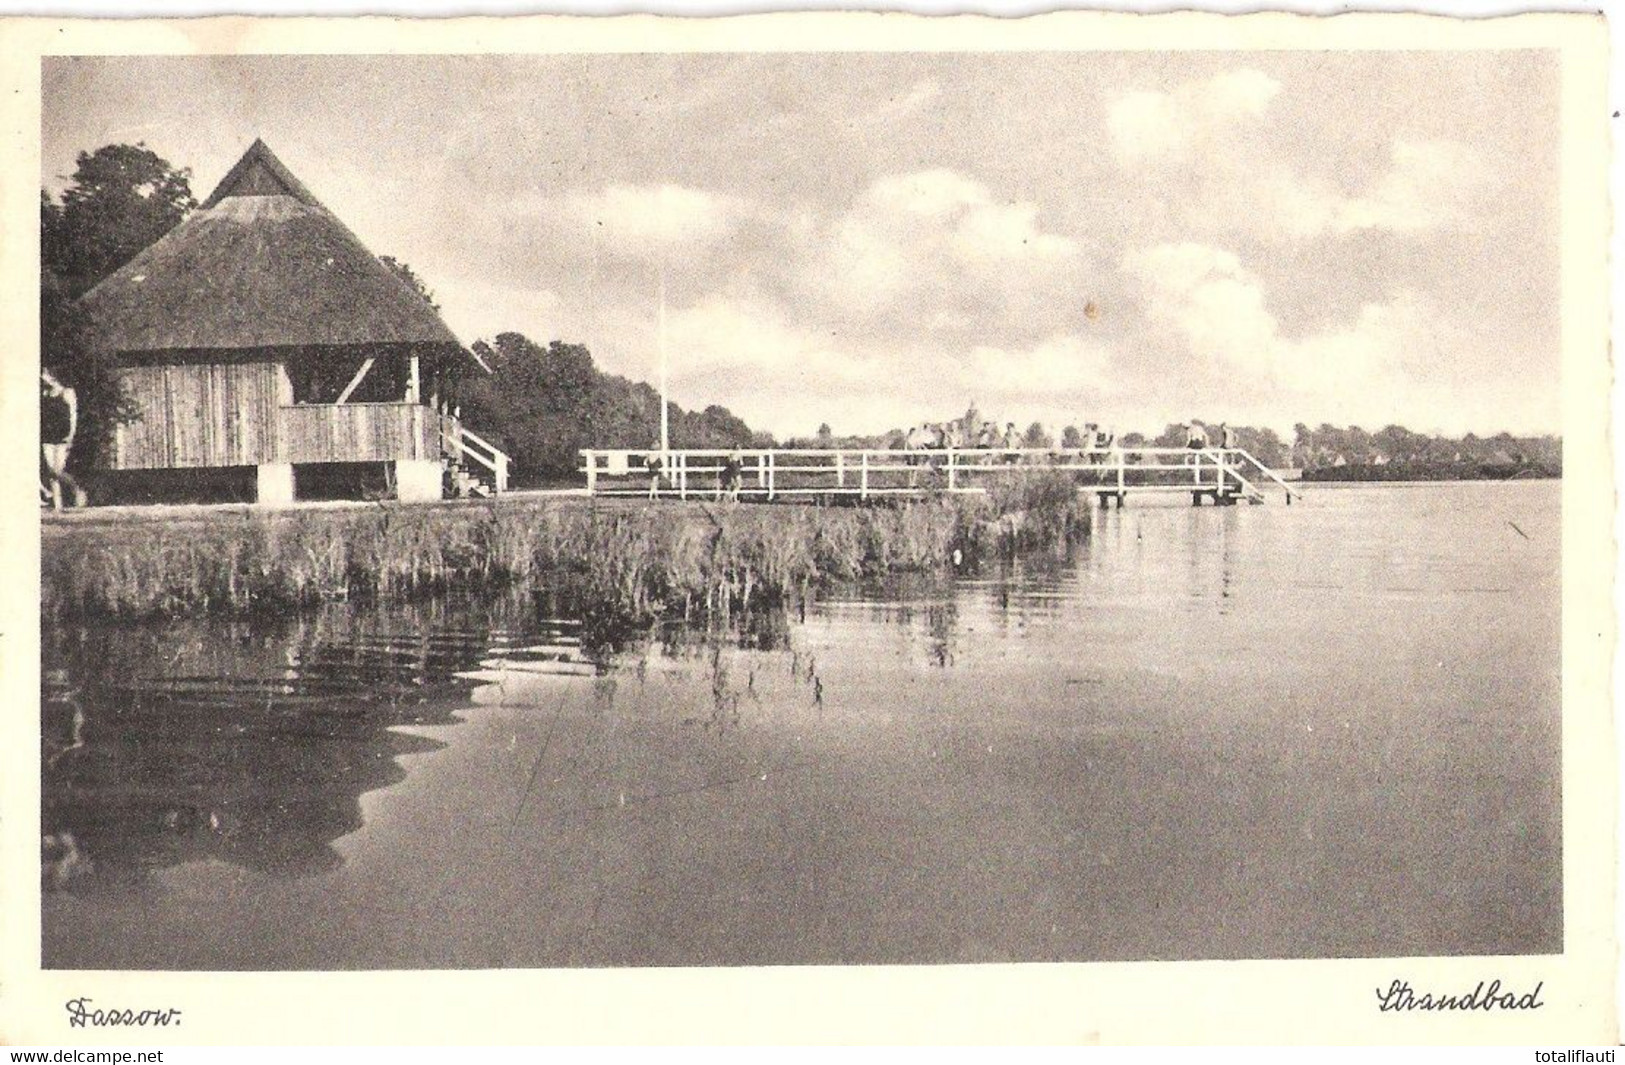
(67, 351)
(537, 401)
(1172, 435)
(1303, 446)
(121, 199)
(1035, 436)
(406, 273)
(1398, 444)
(1071, 437)
(544, 405)
(1265, 445)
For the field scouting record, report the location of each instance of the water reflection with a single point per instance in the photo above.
(252, 742)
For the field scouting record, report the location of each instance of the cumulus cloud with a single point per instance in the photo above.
(747, 337)
(636, 221)
(1175, 125)
(943, 245)
(1427, 184)
(1057, 369)
(942, 205)
(1218, 307)
(475, 306)
(765, 363)
(1206, 147)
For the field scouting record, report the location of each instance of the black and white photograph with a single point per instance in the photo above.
(693, 506)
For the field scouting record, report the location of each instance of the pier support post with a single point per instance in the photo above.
(273, 483)
(418, 480)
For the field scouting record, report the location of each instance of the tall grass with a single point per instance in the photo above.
(638, 562)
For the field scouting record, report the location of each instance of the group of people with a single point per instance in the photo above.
(937, 436)
(1096, 440)
(729, 478)
(941, 436)
(1197, 438)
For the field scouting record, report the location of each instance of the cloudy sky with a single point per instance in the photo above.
(874, 240)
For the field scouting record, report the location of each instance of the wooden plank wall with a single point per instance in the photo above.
(196, 415)
(359, 432)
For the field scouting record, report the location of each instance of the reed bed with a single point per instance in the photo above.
(634, 562)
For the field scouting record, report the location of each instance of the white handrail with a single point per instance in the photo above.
(1271, 474)
(961, 452)
(490, 464)
(1229, 471)
(480, 440)
(960, 468)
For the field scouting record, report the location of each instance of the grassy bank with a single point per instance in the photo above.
(638, 562)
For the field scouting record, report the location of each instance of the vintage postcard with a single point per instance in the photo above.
(1083, 528)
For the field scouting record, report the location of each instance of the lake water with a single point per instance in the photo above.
(1324, 730)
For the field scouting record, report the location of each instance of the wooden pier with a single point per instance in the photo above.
(1221, 476)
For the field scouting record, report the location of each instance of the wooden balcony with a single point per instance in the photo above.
(362, 432)
(243, 414)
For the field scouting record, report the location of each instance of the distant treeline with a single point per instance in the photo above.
(544, 404)
(1327, 453)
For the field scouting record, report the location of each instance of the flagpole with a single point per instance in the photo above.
(665, 416)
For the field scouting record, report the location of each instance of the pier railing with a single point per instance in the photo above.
(1219, 475)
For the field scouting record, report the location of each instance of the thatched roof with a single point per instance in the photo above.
(261, 264)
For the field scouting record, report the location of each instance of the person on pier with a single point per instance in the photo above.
(1195, 442)
(1091, 442)
(1011, 441)
(1227, 442)
(1101, 442)
(656, 466)
(733, 472)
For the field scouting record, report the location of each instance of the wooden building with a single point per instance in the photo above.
(261, 339)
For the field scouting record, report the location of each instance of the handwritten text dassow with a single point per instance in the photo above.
(81, 1014)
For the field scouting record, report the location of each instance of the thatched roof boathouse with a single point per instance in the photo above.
(260, 340)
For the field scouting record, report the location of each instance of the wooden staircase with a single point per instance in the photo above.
(475, 467)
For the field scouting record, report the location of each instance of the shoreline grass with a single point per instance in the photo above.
(639, 563)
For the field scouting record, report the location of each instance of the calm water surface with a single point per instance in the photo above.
(1324, 730)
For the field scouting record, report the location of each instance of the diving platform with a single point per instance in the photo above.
(1220, 476)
